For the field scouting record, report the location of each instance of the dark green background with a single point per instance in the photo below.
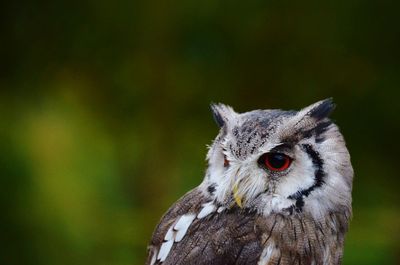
(105, 117)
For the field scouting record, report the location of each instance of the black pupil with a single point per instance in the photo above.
(277, 160)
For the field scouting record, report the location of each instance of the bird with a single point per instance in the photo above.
(276, 190)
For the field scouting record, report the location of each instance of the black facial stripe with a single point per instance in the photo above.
(319, 175)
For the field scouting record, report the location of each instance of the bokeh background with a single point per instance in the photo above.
(104, 110)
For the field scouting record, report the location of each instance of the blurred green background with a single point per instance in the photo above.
(105, 117)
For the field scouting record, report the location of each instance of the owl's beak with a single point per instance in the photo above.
(238, 198)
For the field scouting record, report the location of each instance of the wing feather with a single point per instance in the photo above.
(226, 237)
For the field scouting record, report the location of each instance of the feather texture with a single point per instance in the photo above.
(246, 213)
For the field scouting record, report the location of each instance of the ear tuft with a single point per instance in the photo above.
(322, 109)
(221, 113)
(217, 115)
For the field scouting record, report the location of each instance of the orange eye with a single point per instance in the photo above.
(275, 161)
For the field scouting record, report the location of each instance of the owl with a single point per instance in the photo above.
(277, 190)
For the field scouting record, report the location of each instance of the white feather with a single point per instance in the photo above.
(170, 234)
(174, 234)
(154, 257)
(221, 209)
(164, 250)
(206, 210)
(182, 226)
(266, 255)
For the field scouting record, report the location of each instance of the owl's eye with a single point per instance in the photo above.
(226, 161)
(275, 161)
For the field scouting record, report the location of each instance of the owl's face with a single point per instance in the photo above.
(274, 161)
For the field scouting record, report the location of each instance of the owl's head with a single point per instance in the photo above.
(275, 161)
